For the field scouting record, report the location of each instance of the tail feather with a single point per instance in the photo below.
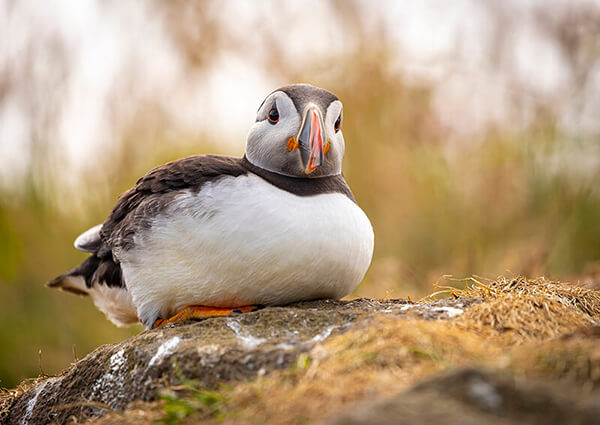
(102, 280)
(79, 280)
(69, 283)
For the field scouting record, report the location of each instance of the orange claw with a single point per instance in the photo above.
(199, 312)
(292, 144)
(326, 147)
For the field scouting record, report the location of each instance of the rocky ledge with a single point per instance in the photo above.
(212, 351)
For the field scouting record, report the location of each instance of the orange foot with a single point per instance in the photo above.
(199, 312)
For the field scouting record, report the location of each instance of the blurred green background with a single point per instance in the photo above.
(472, 134)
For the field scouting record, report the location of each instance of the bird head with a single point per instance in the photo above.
(298, 133)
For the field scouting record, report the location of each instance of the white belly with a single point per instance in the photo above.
(242, 241)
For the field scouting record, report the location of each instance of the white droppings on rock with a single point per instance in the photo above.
(450, 311)
(32, 402)
(485, 393)
(210, 355)
(165, 349)
(321, 336)
(113, 380)
(210, 349)
(248, 341)
(117, 360)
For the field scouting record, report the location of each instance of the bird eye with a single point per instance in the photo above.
(273, 115)
(337, 124)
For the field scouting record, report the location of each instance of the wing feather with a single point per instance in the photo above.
(89, 241)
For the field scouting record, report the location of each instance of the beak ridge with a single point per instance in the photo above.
(310, 139)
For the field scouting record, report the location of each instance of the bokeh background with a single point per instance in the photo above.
(472, 132)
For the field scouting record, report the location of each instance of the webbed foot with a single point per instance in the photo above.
(200, 312)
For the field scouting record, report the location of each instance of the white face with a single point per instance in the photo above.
(307, 143)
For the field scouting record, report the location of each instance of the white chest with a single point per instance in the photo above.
(243, 241)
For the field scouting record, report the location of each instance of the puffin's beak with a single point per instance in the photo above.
(310, 139)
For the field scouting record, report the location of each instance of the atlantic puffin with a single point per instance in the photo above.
(210, 235)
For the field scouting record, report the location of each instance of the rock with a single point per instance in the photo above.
(211, 351)
(472, 396)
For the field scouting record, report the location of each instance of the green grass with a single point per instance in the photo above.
(189, 398)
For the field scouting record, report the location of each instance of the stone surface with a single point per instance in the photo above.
(471, 396)
(211, 351)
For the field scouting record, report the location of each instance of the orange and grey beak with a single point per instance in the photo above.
(311, 139)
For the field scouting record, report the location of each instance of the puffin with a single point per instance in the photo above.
(208, 236)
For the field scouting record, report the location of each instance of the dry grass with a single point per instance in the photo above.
(574, 356)
(575, 297)
(521, 318)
